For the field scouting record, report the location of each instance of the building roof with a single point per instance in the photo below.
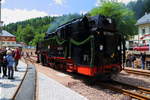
(5, 33)
(144, 20)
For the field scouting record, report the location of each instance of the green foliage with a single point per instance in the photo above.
(140, 7)
(77, 43)
(124, 17)
(147, 6)
(37, 38)
(27, 34)
(28, 31)
(137, 7)
(33, 30)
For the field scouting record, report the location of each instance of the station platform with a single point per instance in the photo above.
(49, 89)
(8, 87)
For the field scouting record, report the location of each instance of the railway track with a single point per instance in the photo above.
(139, 93)
(143, 73)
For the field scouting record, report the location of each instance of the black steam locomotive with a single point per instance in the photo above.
(87, 45)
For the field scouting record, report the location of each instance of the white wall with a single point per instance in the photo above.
(146, 27)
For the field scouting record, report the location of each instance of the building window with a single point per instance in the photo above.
(143, 31)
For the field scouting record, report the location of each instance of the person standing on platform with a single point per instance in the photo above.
(128, 61)
(143, 56)
(133, 58)
(10, 64)
(17, 56)
(3, 62)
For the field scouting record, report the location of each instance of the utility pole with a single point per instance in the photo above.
(1, 24)
(0, 18)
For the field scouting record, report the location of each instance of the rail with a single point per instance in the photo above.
(128, 91)
(144, 73)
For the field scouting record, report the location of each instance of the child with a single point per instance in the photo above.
(10, 61)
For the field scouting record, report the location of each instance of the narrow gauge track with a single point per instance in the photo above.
(143, 73)
(139, 93)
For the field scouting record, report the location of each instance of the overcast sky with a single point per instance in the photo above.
(18, 10)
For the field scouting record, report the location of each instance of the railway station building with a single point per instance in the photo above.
(7, 39)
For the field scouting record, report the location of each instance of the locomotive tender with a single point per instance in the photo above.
(88, 45)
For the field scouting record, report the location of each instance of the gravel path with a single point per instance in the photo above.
(96, 92)
(137, 80)
(99, 93)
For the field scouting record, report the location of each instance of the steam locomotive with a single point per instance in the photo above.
(88, 45)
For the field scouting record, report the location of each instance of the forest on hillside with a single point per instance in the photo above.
(33, 30)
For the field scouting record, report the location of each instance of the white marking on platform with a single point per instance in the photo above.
(61, 74)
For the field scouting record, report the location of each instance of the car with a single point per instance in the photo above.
(141, 48)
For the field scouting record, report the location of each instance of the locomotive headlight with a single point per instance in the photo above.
(101, 47)
(118, 47)
(49, 46)
(109, 20)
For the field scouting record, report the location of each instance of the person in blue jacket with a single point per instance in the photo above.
(10, 64)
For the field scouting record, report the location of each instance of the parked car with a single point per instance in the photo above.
(141, 48)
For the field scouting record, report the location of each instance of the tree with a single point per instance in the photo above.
(27, 34)
(140, 7)
(37, 38)
(137, 7)
(19, 33)
(124, 17)
(27, 30)
(147, 6)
